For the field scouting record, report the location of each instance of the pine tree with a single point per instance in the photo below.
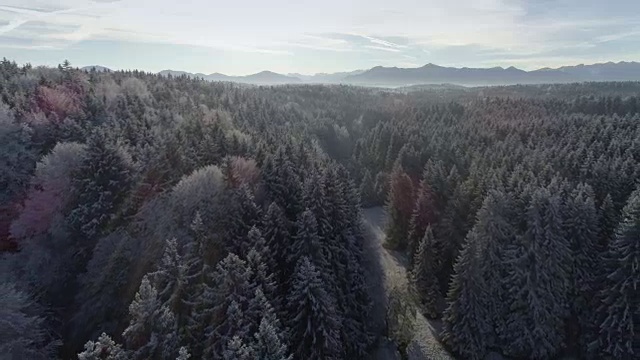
(183, 354)
(224, 303)
(313, 324)
(235, 349)
(282, 183)
(152, 328)
(102, 182)
(399, 207)
(241, 214)
(537, 274)
(424, 276)
(581, 221)
(608, 220)
(424, 215)
(618, 336)
(466, 321)
(275, 229)
(269, 341)
(103, 349)
(171, 280)
(306, 242)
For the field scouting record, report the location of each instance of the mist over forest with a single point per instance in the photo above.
(153, 216)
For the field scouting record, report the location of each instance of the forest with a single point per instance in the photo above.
(158, 217)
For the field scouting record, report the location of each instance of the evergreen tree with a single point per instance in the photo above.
(581, 221)
(399, 207)
(313, 324)
(424, 276)
(103, 349)
(306, 242)
(171, 280)
(537, 274)
(241, 214)
(467, 321)
(275, 228)
(235, 349)
(152, 328)
(618, 338)
(424, 215)
(270, 342)
(224, 304)
(101, 185)
(282, 183)
(608, 220)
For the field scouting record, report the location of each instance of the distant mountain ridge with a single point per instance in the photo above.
(435, 74)
(261, 78)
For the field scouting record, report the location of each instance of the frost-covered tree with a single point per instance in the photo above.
(101, 184)
(537, 281)
(306, 242)
(424, 215)
(467, 326)
(23, 327)
(313, 323)
(269, 339)
(50, 190)
(620, 313)
(399, 207)
(152, 328)
(282, 183)
(424, 277)
(236, 349)
(580, 227)
(275, 228)
(240, 215)
(224, 303)
(103, 349)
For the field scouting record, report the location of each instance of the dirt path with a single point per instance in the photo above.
(424, 345)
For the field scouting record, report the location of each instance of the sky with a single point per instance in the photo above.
(239, 37)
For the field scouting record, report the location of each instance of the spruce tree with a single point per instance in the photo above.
(306, 242)
(424, 276)
(152, 328)
(313, 323)
(537, 274)
(224, 304)
(618, 335)
(241, 214)
(101, 184)
(580, 227)
(399, 207)
(424, 215)
(275, 228)
(103, 349)
(467, 326)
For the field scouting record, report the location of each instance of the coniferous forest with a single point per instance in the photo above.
(153, 217)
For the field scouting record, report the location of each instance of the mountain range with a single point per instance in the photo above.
(434, 74)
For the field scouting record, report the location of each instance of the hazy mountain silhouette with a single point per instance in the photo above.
(261, 78)
(435, 74)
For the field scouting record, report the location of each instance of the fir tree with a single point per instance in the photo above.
(424, 276)
(275, 228)
(103, 349)
(424, 215)
(313, 324)
(618, 336)
(152, 328)
(306, 242)
(241, 214)
(224, 303)
(537, 274)
(466, 321)
(399, 208)
(101, 183)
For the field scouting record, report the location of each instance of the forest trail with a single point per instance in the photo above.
(424, 346)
